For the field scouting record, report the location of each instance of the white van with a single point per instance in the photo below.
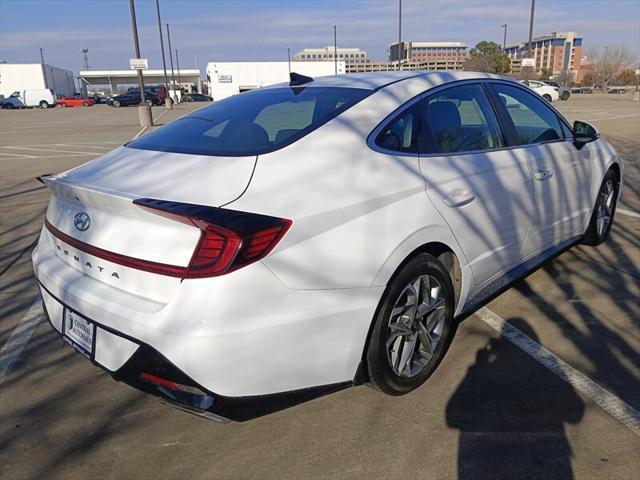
(39, 97)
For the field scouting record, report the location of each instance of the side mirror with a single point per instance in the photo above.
(584, 133)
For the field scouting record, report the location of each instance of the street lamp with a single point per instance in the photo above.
(529, 50)
(44, 71)
(173, 77)
(167, 100)
(144, 110)
(504, 41)
(335, 50)
(400, 46)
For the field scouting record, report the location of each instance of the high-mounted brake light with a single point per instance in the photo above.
(229, 239)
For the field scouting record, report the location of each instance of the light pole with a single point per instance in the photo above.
(178, 68)
(195, 63)
(173, 77)
(44, 71)
(504, 40)
(167, 100)
(144, 110)
(289, 59)
(529, 44)
(400, 46)
(335, 50)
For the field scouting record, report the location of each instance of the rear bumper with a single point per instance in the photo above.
(110, 349)
(244, 334)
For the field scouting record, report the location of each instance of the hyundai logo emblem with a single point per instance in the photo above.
(82, 221)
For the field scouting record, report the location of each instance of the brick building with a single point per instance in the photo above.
(556, 52)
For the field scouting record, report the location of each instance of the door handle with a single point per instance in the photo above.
(459, 198)
(543, 175)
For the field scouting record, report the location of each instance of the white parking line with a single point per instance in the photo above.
(17, 155)
(46, 157)
(47, 150)
(616, 407)
(19, 337)
(624, 211)
(597, 119)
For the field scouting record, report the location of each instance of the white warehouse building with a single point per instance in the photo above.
(28, 76)
(229, 78)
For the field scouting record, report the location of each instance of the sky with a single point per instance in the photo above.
(262, 30)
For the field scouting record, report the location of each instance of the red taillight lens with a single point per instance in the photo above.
(215, 252)
(230, 239)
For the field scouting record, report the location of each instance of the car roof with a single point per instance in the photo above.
(377, 80)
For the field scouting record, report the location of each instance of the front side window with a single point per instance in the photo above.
(252, 123)
(460, 119)
(534, 121)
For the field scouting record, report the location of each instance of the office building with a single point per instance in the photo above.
(326, 54)
(555, 53)
(448, 55)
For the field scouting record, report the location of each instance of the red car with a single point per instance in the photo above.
(75, 102)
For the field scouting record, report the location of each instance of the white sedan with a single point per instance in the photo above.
(546, 91)
(309, 236)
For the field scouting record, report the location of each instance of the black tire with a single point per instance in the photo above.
(116, 103)
(8, 106)
(85, 104)
(381, 374)
(63, 105)
(565, 95)
(547, 97)
(594, 235)
(149, 102)
(44, 105)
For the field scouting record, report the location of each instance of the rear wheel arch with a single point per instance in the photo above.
(446, 255)
(615, 167)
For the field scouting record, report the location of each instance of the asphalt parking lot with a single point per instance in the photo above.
(560, 406)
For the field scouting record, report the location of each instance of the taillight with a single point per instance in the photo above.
(229, 240)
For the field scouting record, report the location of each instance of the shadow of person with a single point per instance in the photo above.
(511, 413)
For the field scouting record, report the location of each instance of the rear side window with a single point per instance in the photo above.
(252, 123)
(460, 119)
(402, 133)
(533, 120)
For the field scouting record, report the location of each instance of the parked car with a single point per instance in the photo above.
(549, 93)
(196, 97)
(39, 97)
(187, 272)
(75, 102)
(581, 90)
(563, 92)
(617, 90)
(152, 90)
(133, 98)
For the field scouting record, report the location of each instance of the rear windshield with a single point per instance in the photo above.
(252, 123)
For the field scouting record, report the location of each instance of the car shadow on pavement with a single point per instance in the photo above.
(507, 436)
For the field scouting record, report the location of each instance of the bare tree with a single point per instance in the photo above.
(608, 63)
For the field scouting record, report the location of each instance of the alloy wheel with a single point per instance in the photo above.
(605, 207)
(415, 326)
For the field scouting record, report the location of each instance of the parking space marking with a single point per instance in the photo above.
(629, 213)
(598, 119)
(46, 150)
(17, 155)
(615, 406)
(19, 337)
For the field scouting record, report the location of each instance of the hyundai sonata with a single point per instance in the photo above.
(308, 236)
